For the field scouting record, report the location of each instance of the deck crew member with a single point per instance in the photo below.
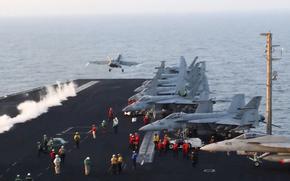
(87, 165)
(185, 149)
(134, 159)
(194, 157)
(160, 147)
(44, 142)
(94, 131)
(56, 162)
(77, 139)
(52, 155)
(18, 178)
(114, 164)
(39, 148)
(110, 114)
(115, 125)
(131, 141)
(136, 141)
(120, 163)
(175, 149)
(104, 125)
(28, 177)
(156, 140)
(146, 119)
(61, 153)
(166, 143)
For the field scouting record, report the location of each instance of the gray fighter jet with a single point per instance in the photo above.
(113, 63)
(183, 81)
(199, 92)
(257, 146)
(237, 117)
(167, 75)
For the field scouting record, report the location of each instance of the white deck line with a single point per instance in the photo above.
(85, 86)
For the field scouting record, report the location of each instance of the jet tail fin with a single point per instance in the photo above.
(250, 109)
(238, 102)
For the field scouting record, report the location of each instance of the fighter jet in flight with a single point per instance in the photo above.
(113, 63)
(257, 146)
(237, 117)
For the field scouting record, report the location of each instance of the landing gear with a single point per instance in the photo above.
(257, 163)
(110, 70)
(257, 159)
(122, 70)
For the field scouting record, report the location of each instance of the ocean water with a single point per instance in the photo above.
(40, 51)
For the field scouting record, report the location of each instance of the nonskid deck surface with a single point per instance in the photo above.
(19, 153)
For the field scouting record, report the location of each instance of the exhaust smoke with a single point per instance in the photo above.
(32, 109)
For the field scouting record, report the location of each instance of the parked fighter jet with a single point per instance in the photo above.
(237, 117)
(258, 146)
(113, 63)
(182, 81)
(199, 92)
(168, 73)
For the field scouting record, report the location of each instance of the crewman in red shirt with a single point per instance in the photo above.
(131, 141)
(175, 149)
(110, 114)
(160, 147)
(94, 131)
(185, 150)
(146, 119)
(136, 141)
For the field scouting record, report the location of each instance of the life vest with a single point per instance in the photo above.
(175, 147)
(156, 138)
(77, 137)
(114, 160)
(120, 159)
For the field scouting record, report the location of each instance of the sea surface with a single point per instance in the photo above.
(42, 50)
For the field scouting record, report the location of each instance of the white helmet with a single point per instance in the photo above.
(56, 156)
(62, 146)
(28, 174)
(88, 158)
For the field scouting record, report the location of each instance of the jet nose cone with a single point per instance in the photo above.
(147, 127)
(127, 108)
(209, 147)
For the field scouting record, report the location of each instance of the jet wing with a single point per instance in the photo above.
(176, 101)
(276, 145)
(128, 63)
(223, 121)
(98, 62)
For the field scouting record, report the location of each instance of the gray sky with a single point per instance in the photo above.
(84, 7)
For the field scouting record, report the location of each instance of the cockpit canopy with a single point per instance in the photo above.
(144, 98)
(175, 115)
(249, 136)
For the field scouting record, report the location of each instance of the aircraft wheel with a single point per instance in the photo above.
(171, 146)
(109, 70)
(257, 164)
(122, 70)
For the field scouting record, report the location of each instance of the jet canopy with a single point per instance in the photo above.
(250, 136)
(174, 115)
(144, 98)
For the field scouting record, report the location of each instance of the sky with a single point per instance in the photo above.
(95, 7)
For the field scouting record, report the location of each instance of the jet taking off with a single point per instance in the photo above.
(237, 117)
(113, 63)
(259, 146)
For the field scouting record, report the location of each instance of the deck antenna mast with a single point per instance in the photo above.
(270, 77)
